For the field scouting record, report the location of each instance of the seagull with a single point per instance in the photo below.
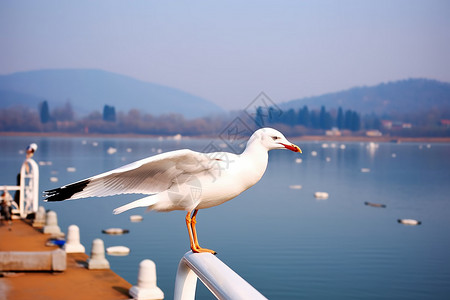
(182, 179)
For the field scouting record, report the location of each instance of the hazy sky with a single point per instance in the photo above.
(230, 51)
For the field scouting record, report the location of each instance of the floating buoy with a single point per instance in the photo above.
(365, 170)
(118, 250)
(71, 169)
(54, 179)
(298, 160)
(136, 218)
(111, 150)
(321, 195)
(115, 231)
(375, 204)
(409, 222)
(314, 153)
(295, 187)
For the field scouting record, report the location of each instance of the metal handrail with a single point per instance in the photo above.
(220, 279)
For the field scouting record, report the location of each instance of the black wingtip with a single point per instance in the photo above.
(65, 192)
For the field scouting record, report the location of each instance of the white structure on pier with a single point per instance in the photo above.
(28, 188)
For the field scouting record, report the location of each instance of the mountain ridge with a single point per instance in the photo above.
(91, 89)
(408, 95)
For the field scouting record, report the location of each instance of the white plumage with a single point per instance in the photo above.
(183, 179)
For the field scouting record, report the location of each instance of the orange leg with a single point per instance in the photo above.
(190, 223)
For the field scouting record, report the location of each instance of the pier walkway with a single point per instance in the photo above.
(76, 282)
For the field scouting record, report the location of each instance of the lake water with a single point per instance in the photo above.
(283, 241)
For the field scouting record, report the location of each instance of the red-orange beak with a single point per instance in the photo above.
(292, 147)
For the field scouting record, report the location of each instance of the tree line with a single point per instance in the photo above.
(303, 121)
(318, 119)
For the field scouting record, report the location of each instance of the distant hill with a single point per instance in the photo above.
(405, 96)
(90, 90)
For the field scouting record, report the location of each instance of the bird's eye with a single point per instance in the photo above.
(275, 138)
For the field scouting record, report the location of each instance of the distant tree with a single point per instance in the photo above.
(356, 122)
(303, 116)
(325, 119)
(275, 116)
(109, 113)
(314, 119)
(340, 119)
(64, 113)
(44, 112)
(290, 117)
(348, 119)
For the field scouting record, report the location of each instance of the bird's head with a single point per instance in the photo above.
(273, 139)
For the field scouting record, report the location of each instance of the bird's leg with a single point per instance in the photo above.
(189, 227)
(194, 233)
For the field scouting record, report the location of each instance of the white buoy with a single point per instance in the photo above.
(118, 250)
(298, 160)
(115, 231)
(295, 187)
(73, 244)
(314, 153)
(71, 169)
(321, 195)
(98, 260)
(136, 218)
(40, 217)
(146, 287)
(51, 224)
(111, 150)
(411, 222)
(365, 170)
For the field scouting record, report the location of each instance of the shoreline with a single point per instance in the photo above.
(380, 139)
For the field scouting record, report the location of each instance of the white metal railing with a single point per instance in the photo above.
(28, 188)
(220, 279)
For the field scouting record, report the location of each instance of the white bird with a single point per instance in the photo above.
(183, 179)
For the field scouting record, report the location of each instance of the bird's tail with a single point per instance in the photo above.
(147, 201)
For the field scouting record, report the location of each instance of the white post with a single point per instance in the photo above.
(39, 220)
(146, 287)
(51, 224)
(73, 244)
(98, 260)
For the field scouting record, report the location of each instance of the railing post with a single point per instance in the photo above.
(185, 282)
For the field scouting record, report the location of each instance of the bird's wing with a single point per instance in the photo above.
(147, 176)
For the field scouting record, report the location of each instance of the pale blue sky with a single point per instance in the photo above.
(230, 51)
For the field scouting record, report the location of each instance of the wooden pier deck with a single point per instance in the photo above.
(76, 282)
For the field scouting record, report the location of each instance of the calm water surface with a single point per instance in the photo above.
(283, 241)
